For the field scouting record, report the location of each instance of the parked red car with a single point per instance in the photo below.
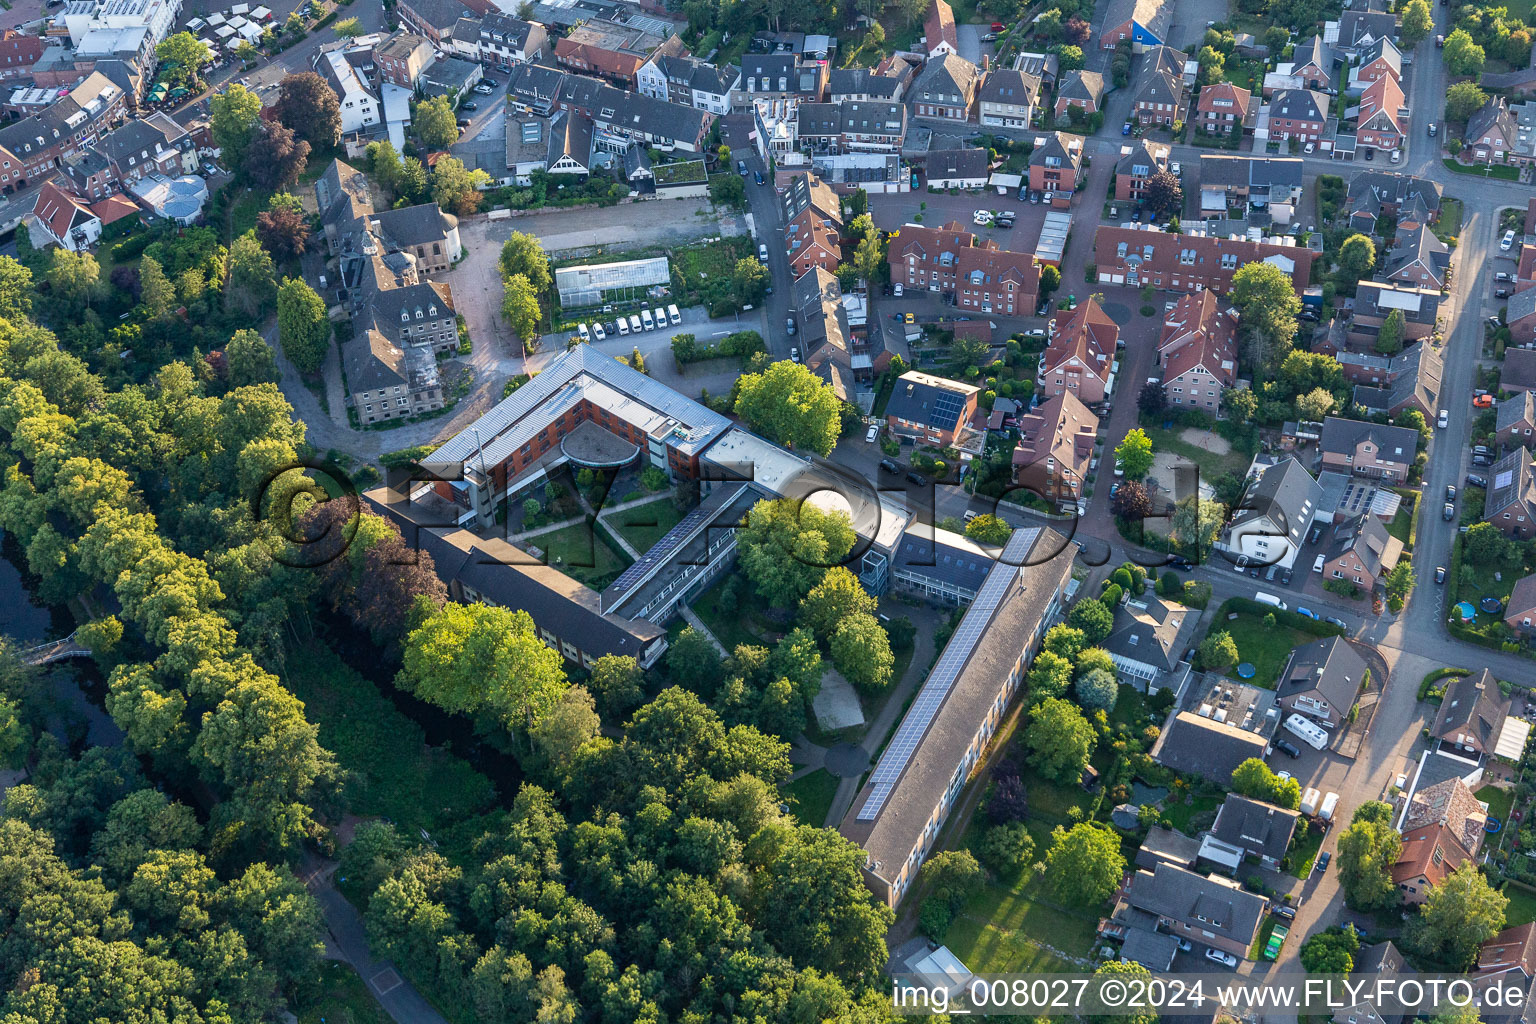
(998, 26)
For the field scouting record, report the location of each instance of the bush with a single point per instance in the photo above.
(934, 918)
(654, 479)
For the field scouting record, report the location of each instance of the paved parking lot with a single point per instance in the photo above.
(890, 211)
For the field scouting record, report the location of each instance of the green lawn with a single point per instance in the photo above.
(1401, 525)
(1522, 906)
(1304, 848)
(1449, 224)
(582, 554)
(339, 997)
(1180, 815)
(1052, 801)
(1265, 647)
(812, 795)
(1211, 465)
(1506, 173)
(395, 773)
(646, 524)
(1499, 801)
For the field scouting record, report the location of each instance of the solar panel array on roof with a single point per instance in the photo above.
(936, 689)
(946, 409)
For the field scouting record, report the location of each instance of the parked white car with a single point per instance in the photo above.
(1216, 955)
(982, 217)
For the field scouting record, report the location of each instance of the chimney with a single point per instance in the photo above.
(985, 63)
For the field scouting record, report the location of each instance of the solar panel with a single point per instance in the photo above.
(942, 679)
(663, 548)
(946, 409)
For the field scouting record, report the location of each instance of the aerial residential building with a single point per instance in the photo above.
(931, 410)
(1379, 60)
(1418, 259)
(1247, 828)
(1244, 180)
(1191, 262)
(148, 145)
(974, 275)
(505, 41)
(1300, 114)
(1314, 62)
(1516, 421)
(812, 225)
(359, 107)
(1520, 612)
(688, 81)
(1138, 162)
(1360, 30)
(65, 218)
(939, 34)
(18, 52)
(946, 88)
(1492, 135)
(1081, 89)
(1368, 449)
(1201, 746)
(1080, 355)
(1375, 301)
(1054, 165)
(1222, 107)
(434, 19)
(1520, 316)
(824, 330)
(612, 51)
(1511, 501)
(1360, 551)
(1008, 99)
(1158, 96)
(1382, 119)
(80, 18)
(769, 76)
(885, 83)
(899, 813)
(628, 115)
(1147, 642)
(966, 168)
(1409, 380)
(851, 126)
(1144, 22)
(1215, 911)
(1055, 447)
(1270, 526)
(1322, 681)
(1408, 200)
(1429, 853)
(1198, 352)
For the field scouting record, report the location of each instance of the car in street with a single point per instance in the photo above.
(990, 37)
(890, 465)
(1334, 620)
(1225, 959)
(789, 326)
(917, 478)
(758, 176)
(981, 218)
(762, 254)
(1179, 562)
(1288, 748)
(1439, 574)
(1397, 156)
(794, 355)
(741, 168)
(1005, 222)
(485, 89)
(1309, 613)
(1034, 195)
(598, 332)
(1125, 129)
(874, 432)
(469, 105)
(1445, 419)
(1473, 480)
(1434, 129)
(464, 122)
(1508, 241)
(1309, 147)
(997, 26)
(1114, 489)
(1450, 492)
(1323, 860)
(908, 318)
(1449, 513)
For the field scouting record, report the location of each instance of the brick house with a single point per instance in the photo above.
(1375, 301)
(1298, 114)
(1382, 120)
(613, 51)
(1144, 22)
(1198, 352)
(1139, 162)
(1381, 60)
(930, 409)
(1368, 449)
(1511, 501)
(1492, 134)
(18, 52)
(402, 58)
(1054, 165)
(1081, 89)
(975, 275)
(505, 41)
(1520, 612)
(1055, 448)
(1222, 107)
(1360, 551)
(1008, 99)
(939, 34)
(1520, 316)
(946, 88)
(435, 19)
(1158, 96)
(1430, 853)
(1189, 262)
(812, 225)
(1080, 357)
(1314, 62)
(1418, 259)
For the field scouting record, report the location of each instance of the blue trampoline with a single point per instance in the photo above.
(1493, 825)
(1491, 605)
(1246, 671)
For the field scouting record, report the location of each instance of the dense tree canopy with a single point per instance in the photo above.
(791, 405)
(787, 547)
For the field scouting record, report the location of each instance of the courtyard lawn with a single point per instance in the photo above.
(581, 553)
(1522, 906)
(396, 774)
(812, 795)
(1180, 814)
(1052, 802)
(339, 995)
(707, 271)
(1449, 224)
(1499, 801)
(1264, 647)
(1211, 463)
(742, 626)
(644, 525)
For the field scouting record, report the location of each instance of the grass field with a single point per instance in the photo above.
(1304, 851)
(1506, 173)
(395, 773)
(707, 270)
(1522, 906)
(1499, 801)
(644, 525)
(1211, 464)
(1265, 647)
(339, 998)
(813, 795)
(1181, 814)
(582, 554)
(1401, 525)
(1449, 224)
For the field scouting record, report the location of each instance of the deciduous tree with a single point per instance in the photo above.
(1134, 454)
(1462, 56)
(276, 157)
(1417, 23)
(1459, 915)
(988, 529)
(252, 278)
(520, 308)
(1357, 256)
(181, 55)
(1164, 193)
(1267, 302)
(523, 253)
(1463, 99)
(1084, 864)
(234, 119)
(792, 406)
(1059, 739)
(861, 650)
(435, 124)
(282, 230)
(1093, 618)
(787, 546)
(308, 105)
(839, 596)
(456, 188)
(302, 325)
(1367, 851)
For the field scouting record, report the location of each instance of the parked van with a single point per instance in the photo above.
(581, 329)
(647, 319)
(1309, 732)
(623, 323)
(674, 315)
(660, 315)
(1330, 802)
(1270, 599)
(634, 324)
(1309, 801)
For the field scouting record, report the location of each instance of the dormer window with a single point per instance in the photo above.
(405, 316)
(418, 312)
